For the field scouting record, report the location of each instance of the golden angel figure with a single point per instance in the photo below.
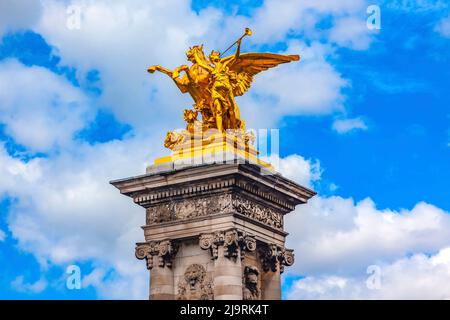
(213, 83)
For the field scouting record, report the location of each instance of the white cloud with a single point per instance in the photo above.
(276, 21)
(17, 15)
(336, 240)
(351, 32)
(334, 235)
(443, 27)
(416, 277)
(40, 109)
(2, 235)
(297, 168)
(312, 86)
(20, 285)
(69, 212)
(348, 125)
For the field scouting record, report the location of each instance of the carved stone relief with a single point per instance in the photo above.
(197, 207)
(274, 257)
(195, 284)
(258, 212)
(188, 208)
(251, 287)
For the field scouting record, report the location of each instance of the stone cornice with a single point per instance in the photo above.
(150, 189)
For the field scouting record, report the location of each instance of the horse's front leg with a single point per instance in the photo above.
(152, 69)
(177, 70)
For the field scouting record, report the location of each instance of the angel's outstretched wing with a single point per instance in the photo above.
(249, 64)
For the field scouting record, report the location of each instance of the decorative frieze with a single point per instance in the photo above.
(165, 251)
(189, 208)
(198, 207)
(260, 213)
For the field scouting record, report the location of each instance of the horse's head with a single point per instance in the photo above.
(198, 49)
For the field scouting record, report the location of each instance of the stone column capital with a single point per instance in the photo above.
(165, 250)
(274, 258)
(234, 242)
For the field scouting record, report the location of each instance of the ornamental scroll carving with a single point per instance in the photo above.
(195, 284)
(274, 257)
(165, 251)
(198, 207)
(233, 241)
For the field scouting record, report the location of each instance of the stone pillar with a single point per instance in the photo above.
(159, 257)
(227, 277)
(235, 211)
(273, 259)
(162, 284)
(272, 285)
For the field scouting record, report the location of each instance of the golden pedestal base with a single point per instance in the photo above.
(216, 148)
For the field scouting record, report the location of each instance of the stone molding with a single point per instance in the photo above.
(151, 198)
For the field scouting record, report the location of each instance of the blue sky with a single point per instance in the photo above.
(364, 119)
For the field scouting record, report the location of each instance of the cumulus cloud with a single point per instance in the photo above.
(335, 235)
(416, 277)
(338, 241)
(19, 284)
(351, 32)
(312, 86)
(295, 167)
(443, 27)
(2, 235)
(40, 110)
(348, 125)
(277, 21)
(16, 15)
(69, 213)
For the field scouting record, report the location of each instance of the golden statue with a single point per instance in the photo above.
(213, 83)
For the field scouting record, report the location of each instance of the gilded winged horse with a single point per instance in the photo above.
(214, 82)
